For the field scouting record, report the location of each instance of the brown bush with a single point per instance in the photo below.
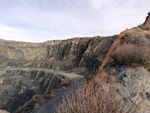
(89, 98)
(131, 54)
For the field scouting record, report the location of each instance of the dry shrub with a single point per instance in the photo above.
(91, 98)
(131, 54)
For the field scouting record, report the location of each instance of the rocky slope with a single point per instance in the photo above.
(36, 76)
(32, 73)
(131, 81)
(73, 53)
(25, 86)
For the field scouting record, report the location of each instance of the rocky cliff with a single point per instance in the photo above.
(72, 53)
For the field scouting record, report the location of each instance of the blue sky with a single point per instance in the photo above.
(42, 20)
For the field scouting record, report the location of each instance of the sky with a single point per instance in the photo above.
(42, 20)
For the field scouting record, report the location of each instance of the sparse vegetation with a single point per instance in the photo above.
(131, 54)
(91, 98)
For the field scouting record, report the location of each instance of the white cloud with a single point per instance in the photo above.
(11, 33)
(98, 4)
(7, 32)
(36, 20)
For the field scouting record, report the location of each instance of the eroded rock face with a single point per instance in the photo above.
(27, 81)
(56, 50)
(59, 55)
(20, 86)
